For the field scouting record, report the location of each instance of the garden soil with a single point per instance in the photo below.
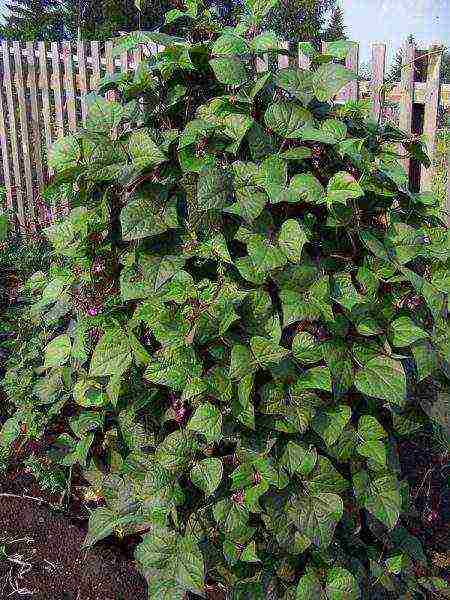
(47, 558)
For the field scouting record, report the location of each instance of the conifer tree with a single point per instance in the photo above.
(336, 25)
(28, 20)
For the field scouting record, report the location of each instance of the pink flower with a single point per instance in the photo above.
(93, 311)
(238, 497)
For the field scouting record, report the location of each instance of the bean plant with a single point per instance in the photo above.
(245, 305)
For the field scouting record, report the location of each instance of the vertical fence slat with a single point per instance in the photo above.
(13, 130)
(430, 122)
(57, 89)
(5, 155)
(24, 133)
(378, 75)
(37, 140)
(407, 93)
(69, 86)
(304, 62)
(350, 91)
(45, 95)
(110, 66)
(283, 60)
(82, 79)
(447, 207)
(96, 66)
(137, 57)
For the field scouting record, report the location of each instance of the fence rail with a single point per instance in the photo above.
(44, 86)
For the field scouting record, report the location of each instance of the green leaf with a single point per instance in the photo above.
(316, 516)
(229, 70)
(249, 554)
(298, 82)
(144, 151)
(299, 459)
(264, 255)
(287, 119)
(176, 557)
(212, 188)
(165, 589)
(329, 79)
(317, 378)
(403, 332)
(341, 585)
(207, 475)
(384, 500)
(175, 452)
(306, 188)
(309, 588)
(229, 44)
(384, 378)
(113, 354)
(236, 127)
(242, 362)
(103, 521)
(306, 348)
(103, 115)
(207, 419)
(58, 351)
(260, 8)
(291, 239)
(266, 352)
(339, 48)
(147, 215)
(330, 424)
(341, 187)
(297, 154)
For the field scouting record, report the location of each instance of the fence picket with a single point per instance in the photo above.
(96, 66)
(283, 59)
(24, 133)
(432, 101)
(57, 90)
(82, 79)
(45, 95)
(13, 127)
(304, 62)
(69, 86)
(378, 75)
(110, 67)
(32, 86)
(5, 154)
(407, 93)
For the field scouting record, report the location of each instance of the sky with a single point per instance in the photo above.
(391, 21)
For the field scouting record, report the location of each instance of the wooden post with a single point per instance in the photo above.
(407, 93)
(432, 100)
(378, 75)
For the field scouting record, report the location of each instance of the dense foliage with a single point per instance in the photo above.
(244, 300)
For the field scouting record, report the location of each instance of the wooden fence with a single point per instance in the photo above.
(43, 96)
